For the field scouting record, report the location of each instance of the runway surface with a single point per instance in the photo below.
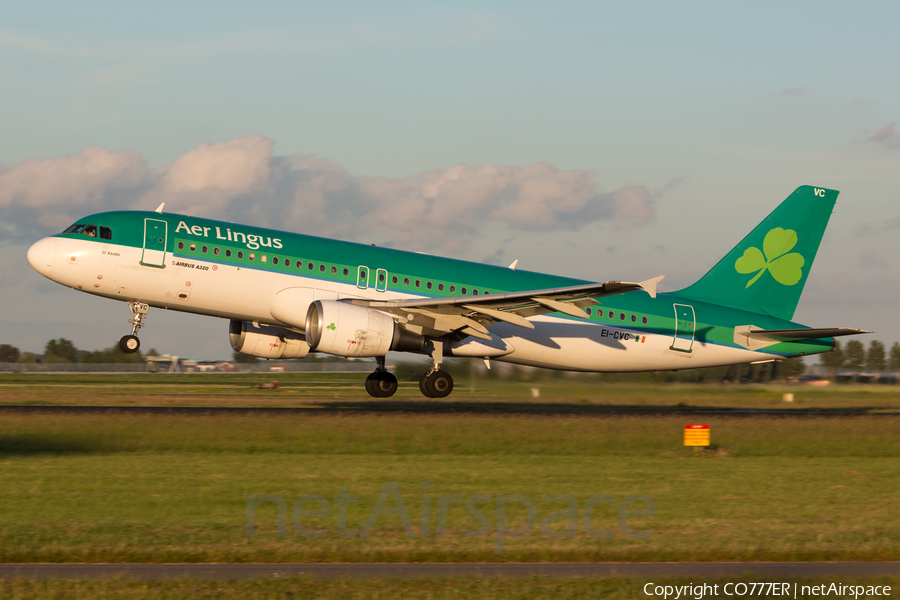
(333, 571)
(427, 408)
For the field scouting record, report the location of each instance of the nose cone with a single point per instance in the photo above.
(40, 255)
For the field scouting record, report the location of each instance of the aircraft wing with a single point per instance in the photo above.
(471, 315)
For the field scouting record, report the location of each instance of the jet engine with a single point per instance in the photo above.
(265, 341)
(348, 330)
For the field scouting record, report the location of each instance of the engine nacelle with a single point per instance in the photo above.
(266, 342)
(348, 330)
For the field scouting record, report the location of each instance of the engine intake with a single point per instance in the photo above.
(348, 330)
(265, 341)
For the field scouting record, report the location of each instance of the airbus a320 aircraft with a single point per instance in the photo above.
(287, 294)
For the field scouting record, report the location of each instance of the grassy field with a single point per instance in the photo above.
(431, 589)
(151, 488)
(570, 392)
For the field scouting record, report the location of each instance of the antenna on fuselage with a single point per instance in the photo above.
(159, 208)
(513, 265)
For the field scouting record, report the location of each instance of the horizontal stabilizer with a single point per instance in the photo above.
(754, 338)
(808, 334)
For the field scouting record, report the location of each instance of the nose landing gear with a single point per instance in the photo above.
(131, 343)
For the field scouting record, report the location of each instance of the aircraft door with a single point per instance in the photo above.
(155, 233)
(381, 276)
(684, 327)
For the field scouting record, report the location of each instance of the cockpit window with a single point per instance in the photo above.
(90, 230)
(74, 228)
(105, 233)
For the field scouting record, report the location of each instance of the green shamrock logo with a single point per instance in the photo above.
(784, 267)
(331, 327)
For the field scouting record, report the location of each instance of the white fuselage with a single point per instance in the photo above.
(222, 290)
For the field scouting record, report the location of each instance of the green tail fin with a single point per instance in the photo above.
(766, 272)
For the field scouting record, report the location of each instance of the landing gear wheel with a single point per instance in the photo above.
(381, 384)
(385, 384)
(423, 386)
(437, 384)
(129, 344)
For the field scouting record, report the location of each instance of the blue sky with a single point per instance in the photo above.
(711, 113)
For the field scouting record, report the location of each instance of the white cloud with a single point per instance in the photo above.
(243, 180)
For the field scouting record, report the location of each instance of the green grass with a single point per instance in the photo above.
(374, 589)
(564, 392)
(122, 488)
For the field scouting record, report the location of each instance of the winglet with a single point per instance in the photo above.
(650, 285)
(513, 265)
(159, 209)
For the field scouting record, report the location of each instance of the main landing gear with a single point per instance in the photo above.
(381, 384)
(433, 384)
(131, 343)
(436, 383)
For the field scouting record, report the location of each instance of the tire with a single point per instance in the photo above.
(423, 386)
(129, 344)
(370, 386)
(384, 384)
(440, 384)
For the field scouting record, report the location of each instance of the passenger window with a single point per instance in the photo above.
(464, 291)
(322, 268)
(193, 247)
(394, 279)
(310, 266)
(240, 254)
(406, 281)
(287, 262)
(346, 271)
(381, 278)
(428, 285)
(274, 260)
(486, 292)
(634, 318)
(612, 315)
(216, 251)
(228, 253)
(588, 311)
(334, 270)
(90, 230)
(204, 249)
(262, 258)
(644, 320)
(252, 256)
(474, 292)
(181, 245)
(440, 287)
(105, 233)
(622, 316)
(452, 289)
(418, 283)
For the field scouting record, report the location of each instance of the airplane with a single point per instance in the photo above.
(287, 294)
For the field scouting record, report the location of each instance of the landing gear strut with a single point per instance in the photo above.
(131, 343)
(381, 384)
(436, 383)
